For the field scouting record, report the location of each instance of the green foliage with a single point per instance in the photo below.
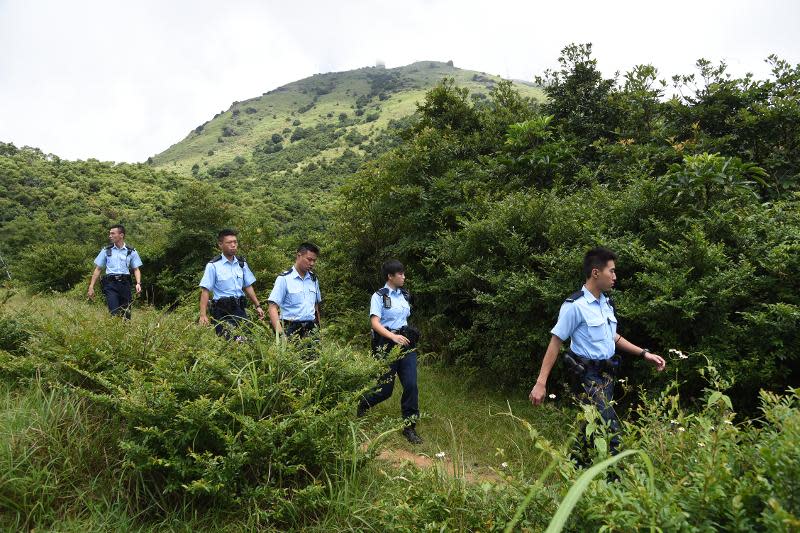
(197, 420)
(702, 178)
(50, 205)
(152, 424)
(55, 266)
(54, 446)
(578, 95)
(491, 205)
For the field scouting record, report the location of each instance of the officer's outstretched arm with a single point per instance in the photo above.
(204, 306)
(274, 317)
(626, 346)
(251, 293)
(137, 275)
(95, 275)
(540, 388)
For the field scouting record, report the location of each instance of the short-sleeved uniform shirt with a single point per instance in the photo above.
(394, 317)
(296, 295)
(226, 278)
(590, 324)
(120, 262)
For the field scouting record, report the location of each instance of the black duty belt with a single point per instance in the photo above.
(117, 277)
(230, 302)
(596, 364)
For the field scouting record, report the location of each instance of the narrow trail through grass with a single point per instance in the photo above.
(466, 428)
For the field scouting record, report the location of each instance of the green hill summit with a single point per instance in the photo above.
(349, 109)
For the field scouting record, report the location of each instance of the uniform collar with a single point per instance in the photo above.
(590, 297)
(392, 291)
(229, 260)
(297, 274)
(121, 247)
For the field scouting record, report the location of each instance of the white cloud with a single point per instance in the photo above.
(122, 81)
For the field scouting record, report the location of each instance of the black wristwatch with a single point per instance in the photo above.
(644, 351)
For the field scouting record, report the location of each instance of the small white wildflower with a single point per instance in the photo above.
(681, 356)
(623, 380)
(552, 396)
(504, 465)
(681, 428)
(702, 445)
(440, 455)
(712, 428)
(729, 422)
(673, 422)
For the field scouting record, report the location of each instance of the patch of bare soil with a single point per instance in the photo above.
(399, 457)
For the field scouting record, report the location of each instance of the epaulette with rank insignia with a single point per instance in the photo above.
(313, 276)
(286, 273)
(216, 258)
(574, 296)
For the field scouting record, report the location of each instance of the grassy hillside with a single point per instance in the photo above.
(370, 98)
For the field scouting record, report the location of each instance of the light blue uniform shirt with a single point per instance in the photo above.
(296, 295)
(397, 315)
(121, 261)
(226, 278)
(590, 323)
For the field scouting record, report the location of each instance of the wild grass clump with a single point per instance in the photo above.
(158, 424)
(197, 420)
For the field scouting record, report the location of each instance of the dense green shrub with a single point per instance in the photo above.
(202, 420)
(56, 266)
(491, 205)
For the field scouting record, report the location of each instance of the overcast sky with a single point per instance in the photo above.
(122, 81)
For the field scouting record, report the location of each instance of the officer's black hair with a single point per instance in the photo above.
(227, 232)
(307, 247)
(391, 267)
(597, 258)
(120, 227)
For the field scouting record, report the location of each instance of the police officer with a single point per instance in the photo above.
(229, 278)
(587, 318)
(118, 259)
(296, 295)
(389, 310)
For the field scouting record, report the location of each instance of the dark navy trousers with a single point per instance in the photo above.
(596, 387)
(406, 369)
(118, 296)
(226, 320)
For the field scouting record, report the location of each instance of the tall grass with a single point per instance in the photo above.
(57, 455)
(157, 424)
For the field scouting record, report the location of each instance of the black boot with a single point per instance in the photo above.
(410, 433)
(362, 409)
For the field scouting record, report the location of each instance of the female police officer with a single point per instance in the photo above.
(389, 311)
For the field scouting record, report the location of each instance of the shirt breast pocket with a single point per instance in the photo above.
(225, 279)
(294, 297)
(597, 328)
